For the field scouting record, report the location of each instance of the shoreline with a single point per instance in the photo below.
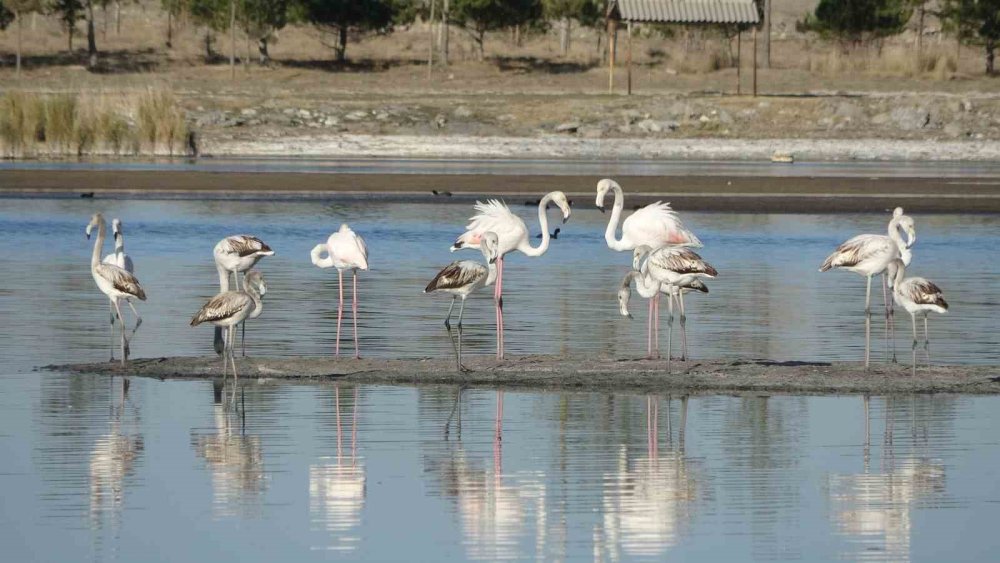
(597, 374)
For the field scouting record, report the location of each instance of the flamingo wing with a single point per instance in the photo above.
(457, 275)
(245, 245)
(658, 225)
(495, 216)
(681, 261)
(924, 292)
(121, 279)
(223, 306)
(348, 249)
(857, 250)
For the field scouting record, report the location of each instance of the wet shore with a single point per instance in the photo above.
(551, 372)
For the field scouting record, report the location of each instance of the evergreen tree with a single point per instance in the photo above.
(976, 22)
(356, 16)
(69, 12)
(857, 21)
(481, 16)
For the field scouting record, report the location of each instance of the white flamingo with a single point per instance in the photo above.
(235, 255)
(230, 308)
(919, 297)
(462, 277)
(675, 268)
(495, 216)
(651, 290)
(345, 250)
(871, 255)
(655, 225)
(124, 261)
(114, 281)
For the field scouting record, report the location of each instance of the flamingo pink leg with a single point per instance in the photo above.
(496, 306)
(340, 308)
(500, 309)
(354, 305)
(656, 325)
(649, 331)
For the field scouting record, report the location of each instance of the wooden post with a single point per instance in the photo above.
(755, 61)
(430, 49)
(232, 39)
(739, 58)
(628, 73)
(612, 43)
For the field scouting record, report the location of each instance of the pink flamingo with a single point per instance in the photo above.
(345, 250)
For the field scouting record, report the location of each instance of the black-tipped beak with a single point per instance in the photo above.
(493, 260)
(88, 236)
(565, 219)
(602, 208)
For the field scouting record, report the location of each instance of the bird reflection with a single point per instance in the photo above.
(875, 506)
(648, 501)
(337, 487)
(235, 461)
(113, 459)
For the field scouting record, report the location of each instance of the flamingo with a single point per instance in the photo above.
(655, 225)
(345, 250)
(462, 277)
(676, 268)
(919, 297)
(124, 261)
(235, 255)
(113, 281)
(649, 289)
(512, 233)
(871, 255)
(230, 308)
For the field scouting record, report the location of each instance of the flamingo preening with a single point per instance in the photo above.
(235, 255)
(651, 290)
(654, 225)
(871, 255)
(124, 261)
(494, 216)
(462, 277)
(676, 268)
(115, 282)
(919, 297)
(230, 308)
(345, 250)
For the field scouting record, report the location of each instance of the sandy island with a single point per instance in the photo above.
(598, 374)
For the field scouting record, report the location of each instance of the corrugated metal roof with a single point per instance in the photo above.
(686, 11)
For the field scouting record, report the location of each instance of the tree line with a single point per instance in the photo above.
(851, 22)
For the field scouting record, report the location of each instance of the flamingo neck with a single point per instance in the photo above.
(616, 215)
(900, 273)
(895, 236)
(119, 245)
(317, 256)
(223, 278)
(95, 258)
(543, 222)
(491, 277)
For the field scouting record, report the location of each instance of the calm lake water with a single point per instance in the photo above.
(322, 471)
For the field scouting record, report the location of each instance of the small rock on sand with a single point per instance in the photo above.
(567, 127)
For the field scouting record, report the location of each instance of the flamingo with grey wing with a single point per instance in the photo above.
(124, 261)
(345, 250)
(654, 225)
(494, 216)
(675, 268)
(230, 308)
(463, 277)
(651, 290)
(235, 255)
(871, 255)
(920, 297)
(115, 282)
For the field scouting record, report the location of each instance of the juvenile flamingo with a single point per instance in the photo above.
(461, 278)
(919, 297)
(871, 255)
(235, 255)
(345, 250)
(230, 308)
(124, 261)
(651, 290)
(115, 282)
(495, 216)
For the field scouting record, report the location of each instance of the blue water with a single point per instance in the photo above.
(321, 471)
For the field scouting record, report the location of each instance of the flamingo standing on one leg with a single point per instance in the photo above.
(651, 290)
(675, 268)
(113, 281)
(461, 278)
(345, 250)
(654, 225)
(230, 308)
(919, 297)
(235, 255)
(124, 261)
(871, 255)
(495, 216)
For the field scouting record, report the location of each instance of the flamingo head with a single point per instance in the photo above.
(698, 285)
(898, 212)
(490, 245)
(255, 280)
(560, 199)
(638, 255)
(96, 221)
(906, 224)
(624, 294)
(603, 187)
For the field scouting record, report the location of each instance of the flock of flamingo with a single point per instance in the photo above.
(663, 262)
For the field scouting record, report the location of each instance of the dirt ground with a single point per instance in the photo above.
(551, 372)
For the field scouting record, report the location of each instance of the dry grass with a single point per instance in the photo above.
(935, 64)
(144, 122)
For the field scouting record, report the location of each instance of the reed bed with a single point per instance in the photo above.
(143, 122)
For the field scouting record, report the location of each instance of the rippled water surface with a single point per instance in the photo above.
(320, 471)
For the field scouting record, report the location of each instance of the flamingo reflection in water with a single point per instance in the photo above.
(337, 488)
(648, 502)
(113, 459)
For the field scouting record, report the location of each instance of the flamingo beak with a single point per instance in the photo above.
(602, 208)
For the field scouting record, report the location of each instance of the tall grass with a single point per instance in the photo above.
(933, 63)
(39, 125)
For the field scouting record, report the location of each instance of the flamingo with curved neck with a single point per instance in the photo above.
(654, 225)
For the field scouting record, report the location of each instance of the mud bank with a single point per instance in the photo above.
(550, 372)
